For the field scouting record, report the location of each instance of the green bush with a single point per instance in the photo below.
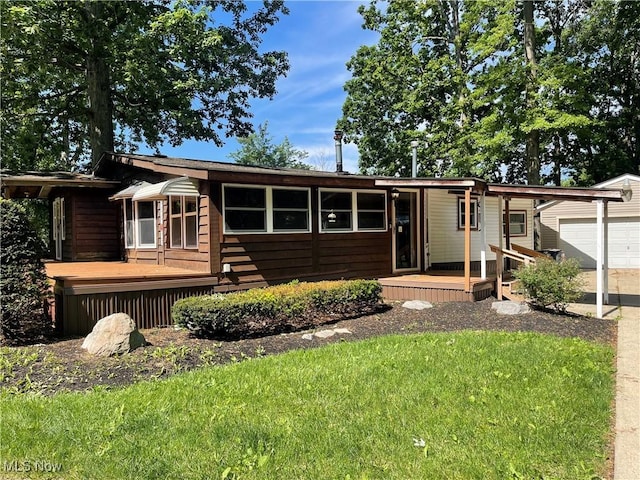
(551, 284)
(23, 281)
(276, 309)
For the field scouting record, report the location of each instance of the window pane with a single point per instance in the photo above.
(253, 220)
(176, 232)
(371, 220)
(191, 231)
(371, 201)
(128, 235)
(146, 229)
(290, 199)
(190, 204)
(176, 208)
(342, 221)
(146, 210)
(335, 200)
(244, 197)
(290, 220)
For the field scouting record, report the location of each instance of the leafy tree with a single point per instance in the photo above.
(92, 76)
(522, 91)
(258, 149)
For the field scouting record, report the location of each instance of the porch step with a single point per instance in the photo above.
(511, 290)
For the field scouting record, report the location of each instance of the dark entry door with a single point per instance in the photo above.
(406, 231)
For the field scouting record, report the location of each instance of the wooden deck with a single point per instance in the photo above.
(85, 292)
(437, 286)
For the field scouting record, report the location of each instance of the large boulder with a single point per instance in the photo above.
(114, 335)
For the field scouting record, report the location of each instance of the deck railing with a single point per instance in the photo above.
(519, 256)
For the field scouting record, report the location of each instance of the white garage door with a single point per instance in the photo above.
(578, 240)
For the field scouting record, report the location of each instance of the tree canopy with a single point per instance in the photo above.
(521, 91)
(82, 77)
(258, 149)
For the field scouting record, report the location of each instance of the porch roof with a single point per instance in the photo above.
(40, 184)
(538, 192)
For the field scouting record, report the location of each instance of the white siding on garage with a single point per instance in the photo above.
(446, 242)
(578, 240)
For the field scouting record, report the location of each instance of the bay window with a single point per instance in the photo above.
(183, 222)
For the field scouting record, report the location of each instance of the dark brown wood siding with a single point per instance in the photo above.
(92, 226)
(268, 259)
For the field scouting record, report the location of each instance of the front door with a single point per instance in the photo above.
(58, 226)
(406, 231)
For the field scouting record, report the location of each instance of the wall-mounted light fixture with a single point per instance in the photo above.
(331, 217)
(395, 194)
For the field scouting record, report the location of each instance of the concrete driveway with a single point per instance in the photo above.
(624, 294)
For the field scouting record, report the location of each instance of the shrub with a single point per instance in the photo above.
(276, 309)
(23, 281)
(548, 283)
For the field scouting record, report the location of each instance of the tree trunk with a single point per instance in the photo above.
(101, 134)
(533, 137)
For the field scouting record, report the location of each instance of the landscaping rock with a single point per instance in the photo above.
(113, 335)
(342, 331)
(417, 304)
(307, 336)
(510, 308)
(325, 333)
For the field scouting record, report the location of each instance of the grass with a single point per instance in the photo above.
(452, 406)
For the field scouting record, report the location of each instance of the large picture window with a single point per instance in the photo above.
(183, 222)
(249, 209)
(348, 211)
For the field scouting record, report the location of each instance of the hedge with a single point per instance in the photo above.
(277, 309)
(23, 280)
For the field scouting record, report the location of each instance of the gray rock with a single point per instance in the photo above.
(307, 336)
(417, 304)
(342, 331)
(113, 335)
(510, 308)
(325, 333)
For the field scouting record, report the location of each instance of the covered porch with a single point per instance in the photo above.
(470, 285)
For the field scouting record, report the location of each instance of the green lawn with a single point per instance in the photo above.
(433, 406)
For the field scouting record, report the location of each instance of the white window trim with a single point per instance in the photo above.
(526, 226)
(183, 222)
(354, 211)
(475, 206)
(137, 225)
(269, 210)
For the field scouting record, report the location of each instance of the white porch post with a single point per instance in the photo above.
(605, 251)
(599, 256)
(483, 239)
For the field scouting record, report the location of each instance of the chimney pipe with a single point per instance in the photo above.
(338, 138)
(414, 159)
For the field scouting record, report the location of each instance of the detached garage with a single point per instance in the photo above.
(571, 227)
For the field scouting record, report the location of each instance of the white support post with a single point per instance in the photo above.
(605, 251)
(499, 260)
(483, 239)
(599, 257)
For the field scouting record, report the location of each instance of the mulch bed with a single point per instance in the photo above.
(63, 366)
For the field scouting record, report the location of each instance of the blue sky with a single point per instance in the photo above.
(320, 37)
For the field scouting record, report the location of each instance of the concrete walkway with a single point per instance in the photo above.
(627, 446)
(624, 306)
